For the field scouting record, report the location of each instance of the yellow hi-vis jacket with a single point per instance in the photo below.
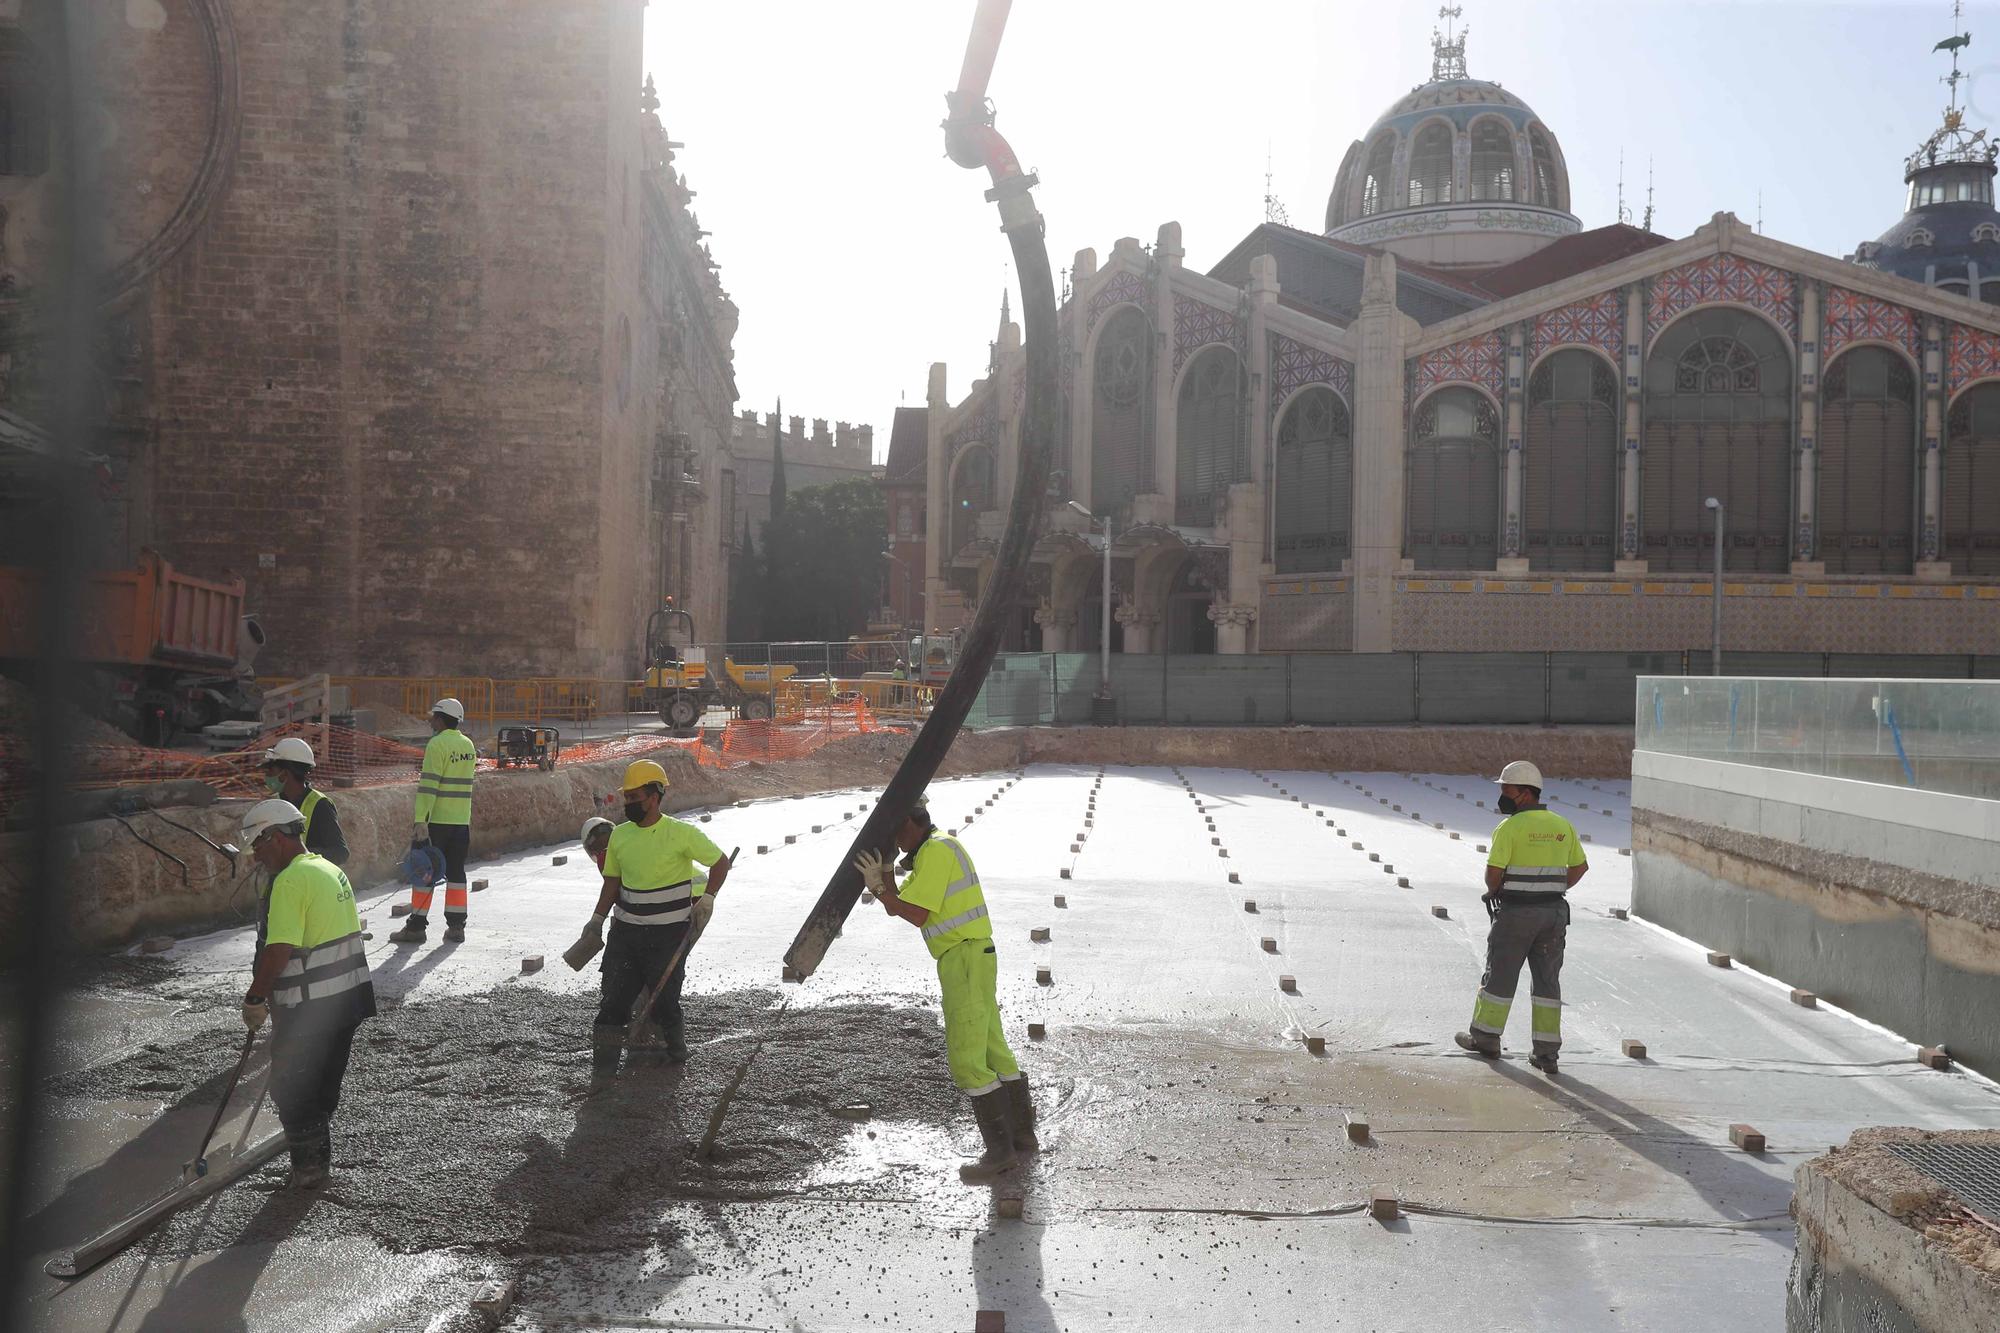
(444, 791)
(944, 882)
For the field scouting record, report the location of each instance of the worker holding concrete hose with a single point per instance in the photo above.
(1536, 859)
(313, 968)
(942, 897)
(443, 819)
(649, 866)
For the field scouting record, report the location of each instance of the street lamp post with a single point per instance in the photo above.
(1715, 600)
(1104, 625)
(910, 593)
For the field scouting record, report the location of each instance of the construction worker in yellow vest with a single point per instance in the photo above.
(1536, 858)
(941, 896)
(288, 770)
(313, 968)
(443, 818)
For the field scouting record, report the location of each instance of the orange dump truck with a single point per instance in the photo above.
(159, 651)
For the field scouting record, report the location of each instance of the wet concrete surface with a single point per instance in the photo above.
(1197, 1171)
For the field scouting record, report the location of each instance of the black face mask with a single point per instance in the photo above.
(1507, 805)
(635, 810)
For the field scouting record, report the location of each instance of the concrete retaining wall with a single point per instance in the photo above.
(121, 890)
(1884, 900)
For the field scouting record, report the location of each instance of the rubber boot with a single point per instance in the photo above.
(412, 932)
(1544, 1059)
(1021, 1114)
(676, 1037)
(454, 928)
(990, 1110)
(307, 1173)
(1478, 1043)
(324, 1148)
(606, 1045)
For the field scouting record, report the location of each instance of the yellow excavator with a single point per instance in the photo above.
(681, 687)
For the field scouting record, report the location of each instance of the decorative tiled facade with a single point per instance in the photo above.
(1973, 355)
(1120, 288)
(1295, 364)
(1480, 360)
(1306, 616)
(1597, 322)
(1198, 324)
(1852, 317)
(1724, 278)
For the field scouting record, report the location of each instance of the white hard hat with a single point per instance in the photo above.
(290, 750)
(267, 815)
(451, 708)
(1520, 773)
(591, 825)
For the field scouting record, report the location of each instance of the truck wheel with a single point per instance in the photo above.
(756, 710)
(681, 712)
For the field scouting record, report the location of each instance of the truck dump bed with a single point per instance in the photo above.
(149, 614)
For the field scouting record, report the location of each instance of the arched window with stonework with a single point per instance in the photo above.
(1208, 436)
(971, 494)
(1548, 185)
(1375, 183)
(1313, 493)
(1121, 416)
(1493, 160)
(1452, 482)
(1430, 166)
(1969, 503)
(1718, 423)
(1569, 463)
(1866, 491)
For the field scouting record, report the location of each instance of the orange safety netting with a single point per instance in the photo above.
(760, 742)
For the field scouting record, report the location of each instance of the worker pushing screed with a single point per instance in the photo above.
(941, 896)
(649, 867)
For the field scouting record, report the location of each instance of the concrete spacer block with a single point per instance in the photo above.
(531, 964)
(1375, 856)
(1044, 976)
(1036, 1032)
(162, 943)
(559, 860)
(1934, 1057)
(816, 827)
(763, 848)
(1289, 984)
(1357, 1126)
(1633, 1047)
(1443, 913)
(1804, 999)
(1088, 822)
(1383, 1205)
(1747, 1138)
(989, 1321)
(495, 1298)
(1075, 847)
(1215, 842)
(1338, 832)
(1397, 809)
(399, 909)
(706, 818)
(1063, 873)
(1388, 869)
(1454, 834)
(1062, 900)
(1621, 913)
(1038, 935)
(1717, 959)
(1479, 847)
(1402, 881)
(478, 885)
(1222, 851)
(1356, 846)
(1437, 824)
(1250, 905)
(1315, 1045)
(791, 838)
(1584, 836)
(1269, 943)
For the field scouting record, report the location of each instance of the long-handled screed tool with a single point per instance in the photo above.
(198, 1168)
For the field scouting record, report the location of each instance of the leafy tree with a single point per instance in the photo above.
(823, 561)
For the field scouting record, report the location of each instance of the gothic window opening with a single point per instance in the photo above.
(1493, 160)
(1121, 433)
(1718, 423)
(1866, 491)
(1569, 464)
(971, 494)
(1430, 166)
(1375, 180)
(1314, 487)
(1548, 190)
(1452, 483)
(1969, 502)
(1208, 429)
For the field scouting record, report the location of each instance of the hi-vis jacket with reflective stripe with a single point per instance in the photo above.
(312, 909)
(1535, 848)
(444, 791)
(943, 881)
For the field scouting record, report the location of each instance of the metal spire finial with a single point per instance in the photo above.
(1648, 223)
(1273, 210)
(1448, 50)
(1624, 213)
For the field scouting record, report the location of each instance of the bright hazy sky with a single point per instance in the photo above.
(859, 255)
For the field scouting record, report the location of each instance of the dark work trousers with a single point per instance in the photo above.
(634, 957)
(1532, 934)
(453, 841)
(309, 1050)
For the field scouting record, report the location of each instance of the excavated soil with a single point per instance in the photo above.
(467, 1121)
(1866, 1166)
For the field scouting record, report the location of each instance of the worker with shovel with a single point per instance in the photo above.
(648, 894)
(314, 969)
(942, 898)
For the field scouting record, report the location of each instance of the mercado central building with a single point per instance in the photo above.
(1457, 420)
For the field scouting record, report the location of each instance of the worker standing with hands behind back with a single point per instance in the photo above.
(942, 898)
(443, 818)
(1536, 859)
(648, 894)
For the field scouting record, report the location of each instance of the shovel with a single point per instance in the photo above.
(198, 1168)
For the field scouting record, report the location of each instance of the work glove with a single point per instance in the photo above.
(255, 1010)
(419, 834)
(874, 871)
(594, 932)
(703, 909)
